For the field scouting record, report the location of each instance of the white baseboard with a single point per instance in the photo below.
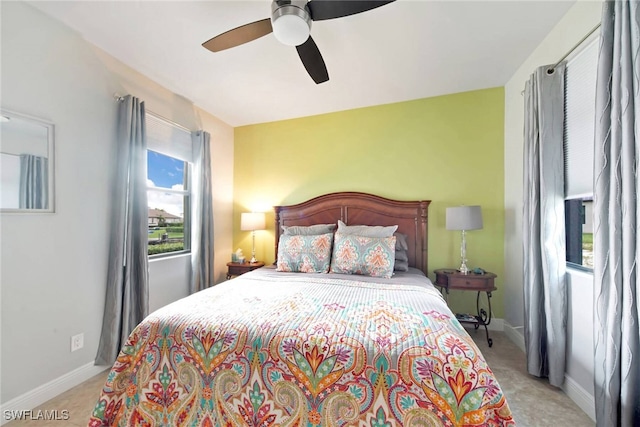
(495, 325)
(515, 335)
(580, 397)
(48, 391)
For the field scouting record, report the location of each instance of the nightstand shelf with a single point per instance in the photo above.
(236, 268)
(449, 278)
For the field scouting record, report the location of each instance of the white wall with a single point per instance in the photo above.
(580, 19)
(579, 369)
(53, 266)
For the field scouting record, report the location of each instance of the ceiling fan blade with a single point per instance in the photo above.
(239, 35)
(330, 9)
(312, 61)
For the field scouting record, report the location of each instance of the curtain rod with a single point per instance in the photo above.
(553, 68)
(120, 98)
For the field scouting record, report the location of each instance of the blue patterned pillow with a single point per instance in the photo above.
(369, 256)
(304, 254)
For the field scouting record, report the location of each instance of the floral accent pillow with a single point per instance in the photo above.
(369, 256)
(304, 254)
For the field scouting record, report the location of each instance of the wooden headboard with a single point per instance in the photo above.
(363, 209)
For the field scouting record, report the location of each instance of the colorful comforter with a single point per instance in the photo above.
(294, 349)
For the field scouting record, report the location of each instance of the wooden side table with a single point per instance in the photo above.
(236, 269)
(450, 278)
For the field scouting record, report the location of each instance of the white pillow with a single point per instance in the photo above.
(367, 230)
(311, 230)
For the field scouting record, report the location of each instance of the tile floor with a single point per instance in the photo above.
(79, 401)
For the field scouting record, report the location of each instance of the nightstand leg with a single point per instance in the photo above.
(484, 319)
(445, 294)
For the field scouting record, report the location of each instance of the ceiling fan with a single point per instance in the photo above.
(290, 22)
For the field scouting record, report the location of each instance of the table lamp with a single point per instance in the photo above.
(252, 221)
(464, 218)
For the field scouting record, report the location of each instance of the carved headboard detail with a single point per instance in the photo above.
(354, 208)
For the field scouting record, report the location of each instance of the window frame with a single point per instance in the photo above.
(186, 192)
(568, 250)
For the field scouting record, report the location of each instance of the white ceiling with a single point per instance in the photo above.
(405, 50)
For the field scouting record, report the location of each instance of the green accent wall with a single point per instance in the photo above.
(447, 149)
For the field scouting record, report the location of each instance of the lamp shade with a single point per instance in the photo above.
(251, 221)
(464, 218)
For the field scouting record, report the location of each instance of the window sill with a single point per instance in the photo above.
(162, 257)
(579, 270)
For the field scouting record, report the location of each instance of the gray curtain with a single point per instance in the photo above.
(616, 215)
(545, 300)
(127, 295)
(202, 257)
(34, 182)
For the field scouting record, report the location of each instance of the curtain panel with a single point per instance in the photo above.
(202, 256)
(127, 294)
(543, 231)
(34, 182)
(616, 217)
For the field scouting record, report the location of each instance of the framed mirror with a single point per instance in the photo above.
(26, 163)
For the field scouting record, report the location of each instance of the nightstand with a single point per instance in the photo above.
(450, 278)
(236, 269)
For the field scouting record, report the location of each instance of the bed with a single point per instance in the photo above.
(289, 348)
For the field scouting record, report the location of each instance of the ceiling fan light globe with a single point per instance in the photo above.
(291, 24)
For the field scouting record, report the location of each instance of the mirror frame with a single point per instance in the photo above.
(50, 156)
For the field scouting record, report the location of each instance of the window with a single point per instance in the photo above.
(579, 124)
(169, 156)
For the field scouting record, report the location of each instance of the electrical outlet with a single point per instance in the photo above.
(77, 342)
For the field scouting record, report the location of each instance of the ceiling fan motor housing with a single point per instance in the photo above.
(291, 21)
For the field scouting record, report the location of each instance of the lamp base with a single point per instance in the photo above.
(463, 254)
(464, 269)
(253, 247)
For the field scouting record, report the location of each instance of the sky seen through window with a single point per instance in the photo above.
(165, 172)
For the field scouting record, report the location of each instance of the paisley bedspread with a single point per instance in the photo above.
(294, 349)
